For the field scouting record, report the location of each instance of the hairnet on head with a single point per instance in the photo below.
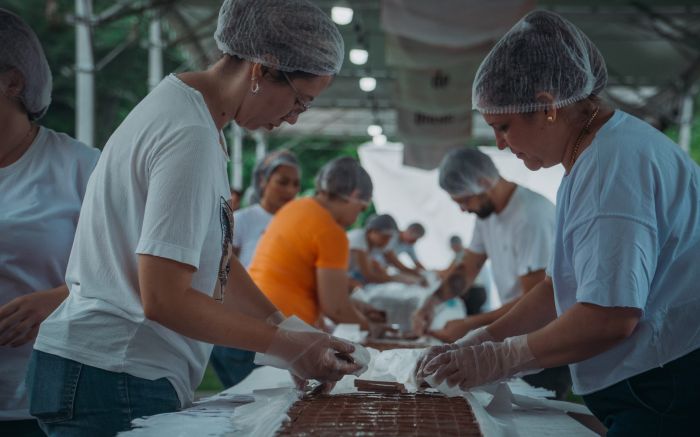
(264, 169)
(20, 49)
(342, 177)
(543, 52)
(289, 35)
(463, 170)
(416, 229)
(383, 223)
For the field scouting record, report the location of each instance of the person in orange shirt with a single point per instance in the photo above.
(301, 262)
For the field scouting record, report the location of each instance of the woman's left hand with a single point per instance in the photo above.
(20, 318)
(481, 364)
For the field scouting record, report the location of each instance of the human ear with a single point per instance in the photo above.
(547, 100)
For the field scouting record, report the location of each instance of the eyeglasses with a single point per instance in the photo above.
(300, 104)
(364, 203)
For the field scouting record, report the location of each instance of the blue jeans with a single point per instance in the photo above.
(661, 402)
(72, 399)
(232, 365)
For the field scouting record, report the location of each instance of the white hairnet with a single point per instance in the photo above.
(343, 176)
(289, 35)
(20, 49)
(543, 52)
(464, 171)
(383, 223)
(264, 169)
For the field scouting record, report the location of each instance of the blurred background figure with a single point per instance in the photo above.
(43, 175)
(375, 236)
(276, 181)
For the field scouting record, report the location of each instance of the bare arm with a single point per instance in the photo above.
(461, 277)
(456, 329)
(334, 299)
(169, 299)
(370, 274)
(532, 311)
(582, 332)
(243, 295)
(20, 318)
(394, 260)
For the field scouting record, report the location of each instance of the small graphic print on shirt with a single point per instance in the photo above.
(226, 219)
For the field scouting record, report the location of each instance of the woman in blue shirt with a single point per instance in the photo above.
(620, 300)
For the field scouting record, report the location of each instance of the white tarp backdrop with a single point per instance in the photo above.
(410, 194)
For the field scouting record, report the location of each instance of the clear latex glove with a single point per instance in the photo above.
(423, 317)
(484, 363)
(477, 336)
(474, 337)
(275, 318)
(426, 356)
(308, 353)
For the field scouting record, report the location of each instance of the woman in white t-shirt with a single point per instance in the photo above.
(150, 266)
(43, 175)
(376, 234)
(620, 301)
(276, 181)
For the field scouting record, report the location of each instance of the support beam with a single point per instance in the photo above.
(155, 51)
(686, 121)
(260, 145)
(236, 168)
(85, 73)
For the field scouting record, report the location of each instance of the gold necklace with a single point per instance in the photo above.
(18, 146)
(585, 131)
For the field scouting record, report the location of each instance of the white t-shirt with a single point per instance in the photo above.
(40, 197)
(357, 239)
(248, 226)
(398, 247)
(161, 189)
(628, 235)
(518, 240)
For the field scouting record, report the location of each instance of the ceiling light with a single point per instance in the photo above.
(379, 140)
(373, 130)
(358, 56)
(341, 14)
(368, 84)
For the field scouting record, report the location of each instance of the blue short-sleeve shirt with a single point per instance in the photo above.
(628, 235)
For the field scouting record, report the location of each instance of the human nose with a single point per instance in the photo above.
(291, 118)
(501, 142)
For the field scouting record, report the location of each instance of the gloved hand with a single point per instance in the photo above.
(308, 353)
(426, 356)
(423, 317)
(275, 318)
(480, 364)
(474, 337)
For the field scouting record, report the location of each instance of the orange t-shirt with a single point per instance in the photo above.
(301, 237)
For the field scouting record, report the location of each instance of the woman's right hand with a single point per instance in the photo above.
(313, 355)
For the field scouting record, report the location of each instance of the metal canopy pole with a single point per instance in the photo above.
(686, 121)
(236, 168)
(260, 145)
(155, 51)
(85, 73)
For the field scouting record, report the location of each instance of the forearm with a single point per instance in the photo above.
(194, 314)
(478, 320)
(582, 332)
(345, 312)
(531, 312)
(244, 296)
